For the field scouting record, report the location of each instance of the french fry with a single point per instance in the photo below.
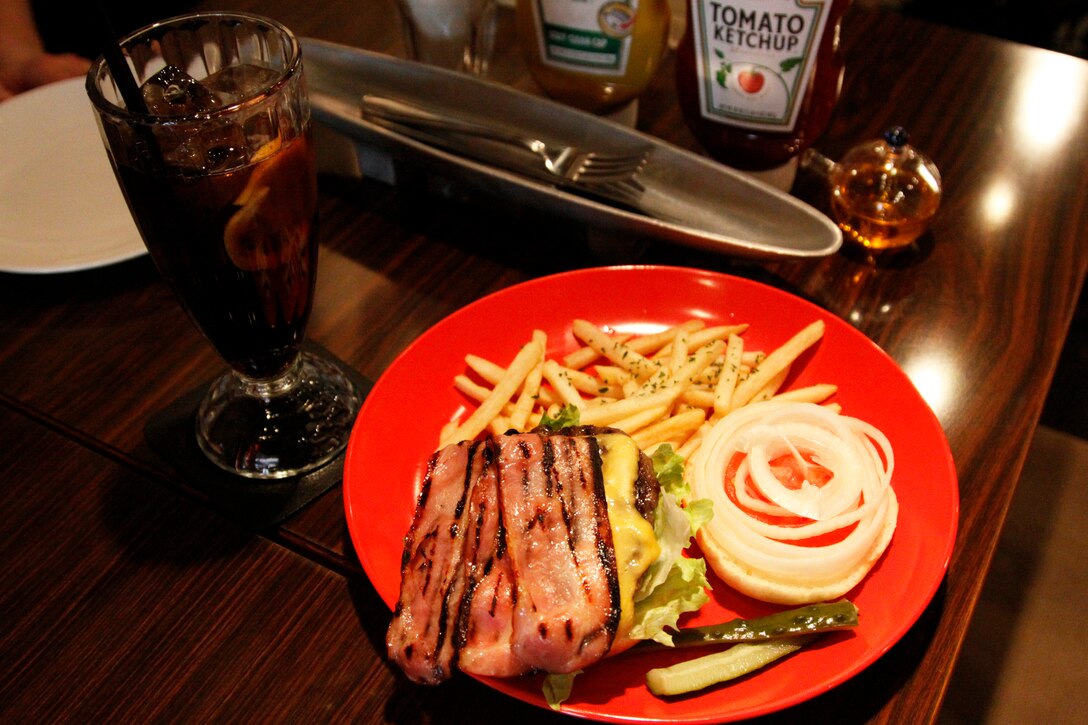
(530, 353)
(657, 381)
(666, 387)
(687, 449)
(812, 394)
(530, 390)
(619, 409)
(655, 342)
(491, 372)
(679, 350)
(730, 372)
(471, 388)
(683, 376)
(499, 425)
(752, 358)
(585, 356)
(591, 385)
(641, 419)
(614, 377)
(558, 376)
(710, 334)
(679, 426)
(448, 431)
(775, 361)
(644, 344)
(767, 391)
(719, 332)
(709, 377)
(619, 353)
(698, 398)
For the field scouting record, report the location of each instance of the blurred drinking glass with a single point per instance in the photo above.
(218, 171)
(454, 34)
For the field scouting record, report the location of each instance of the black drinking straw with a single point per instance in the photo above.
(115, 59)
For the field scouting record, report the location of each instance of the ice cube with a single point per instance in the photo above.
(237, 82)
(260, 129)
(225, 147)
(173, 92)
(180, 149)
(205, 150)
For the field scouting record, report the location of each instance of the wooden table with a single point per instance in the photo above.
(127, 597)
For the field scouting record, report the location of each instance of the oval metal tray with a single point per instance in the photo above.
(689, 199)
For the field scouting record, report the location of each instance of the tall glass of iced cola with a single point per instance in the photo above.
(218, 171)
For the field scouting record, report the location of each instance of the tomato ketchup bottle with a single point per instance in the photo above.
(758, 79)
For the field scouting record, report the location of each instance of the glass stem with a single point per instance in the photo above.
(271, 387)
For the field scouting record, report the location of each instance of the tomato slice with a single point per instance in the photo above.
(792, 474)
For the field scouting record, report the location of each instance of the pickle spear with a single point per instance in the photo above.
(756, 643)
(738, 660)
(810, 619)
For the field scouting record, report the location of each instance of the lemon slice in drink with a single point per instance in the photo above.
(275, 209)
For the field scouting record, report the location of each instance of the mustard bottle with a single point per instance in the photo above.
(596, 55)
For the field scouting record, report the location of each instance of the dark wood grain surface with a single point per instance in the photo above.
(127, 597)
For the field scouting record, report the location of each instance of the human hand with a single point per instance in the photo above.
(37, 70)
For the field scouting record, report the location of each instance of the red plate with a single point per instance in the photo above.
(399, 424)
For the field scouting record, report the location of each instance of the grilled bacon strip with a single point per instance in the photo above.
(647, 488)
(420, 637)
(485, 624)
(556, 518)
(508, 566)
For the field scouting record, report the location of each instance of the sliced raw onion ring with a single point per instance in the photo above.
(764, 536)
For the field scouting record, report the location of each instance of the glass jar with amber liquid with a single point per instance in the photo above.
(758, 80)
(596, 55)
(883, 193)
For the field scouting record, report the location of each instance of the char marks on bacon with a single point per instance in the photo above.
(485, 622)
(508, 566)
(420, 638)
(647, 488)
(556, 518)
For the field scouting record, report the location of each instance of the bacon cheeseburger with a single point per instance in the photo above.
(543, 552)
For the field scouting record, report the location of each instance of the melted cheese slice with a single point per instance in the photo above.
(632, 535)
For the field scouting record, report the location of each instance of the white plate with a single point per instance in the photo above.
(60, 206)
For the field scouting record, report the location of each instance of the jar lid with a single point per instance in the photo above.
(894, 158)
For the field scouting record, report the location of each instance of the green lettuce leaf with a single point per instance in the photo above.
(669, 469)
(684, 590)
(569, 415)
(557, 688)
(674, 584)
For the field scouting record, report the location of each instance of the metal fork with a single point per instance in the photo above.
(569, 164)
(573, 164)
(627, 192)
